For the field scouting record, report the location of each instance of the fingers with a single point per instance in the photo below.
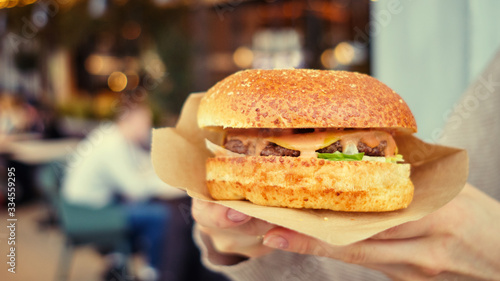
(230, 231)
(213, 215)
(406, 251)
(229, 243)
(439, 222)
(285, 239)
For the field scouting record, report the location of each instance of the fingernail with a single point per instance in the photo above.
(235, 216)
(275, 241)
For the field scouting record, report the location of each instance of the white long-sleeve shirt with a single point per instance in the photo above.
(106, 164)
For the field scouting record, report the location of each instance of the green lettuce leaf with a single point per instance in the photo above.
(339, 156)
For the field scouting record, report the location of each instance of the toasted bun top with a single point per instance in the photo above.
(304, 98)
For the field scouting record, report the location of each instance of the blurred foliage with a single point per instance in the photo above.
(165, 30)
(174, 47)
(81, 107)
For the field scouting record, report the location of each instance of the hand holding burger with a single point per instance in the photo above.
(449, 244)
(278, 125)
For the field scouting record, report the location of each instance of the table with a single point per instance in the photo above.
(40, 151)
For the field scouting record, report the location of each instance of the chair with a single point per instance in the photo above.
(104, 228)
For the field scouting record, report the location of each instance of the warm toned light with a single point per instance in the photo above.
(97, 64)
(328, 59)
(243, 57)
(94, 64)
(117, 81)
(3, 3)
(22, 3)
(12, 3)
(344, 53)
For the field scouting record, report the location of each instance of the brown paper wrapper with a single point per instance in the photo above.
(439, 173)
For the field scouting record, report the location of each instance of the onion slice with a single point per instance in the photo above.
(220, 151)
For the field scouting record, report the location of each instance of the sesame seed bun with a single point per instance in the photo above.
(295, 182)
(304, 98)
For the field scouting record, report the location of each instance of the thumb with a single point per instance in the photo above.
(291, 241)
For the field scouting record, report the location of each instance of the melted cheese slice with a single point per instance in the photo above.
(308, 143)
(304, 142)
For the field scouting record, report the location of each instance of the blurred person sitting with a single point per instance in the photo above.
(111, 168)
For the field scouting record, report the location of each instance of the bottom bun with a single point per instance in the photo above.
(295, 182)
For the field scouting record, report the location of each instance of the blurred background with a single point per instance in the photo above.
(67, 67)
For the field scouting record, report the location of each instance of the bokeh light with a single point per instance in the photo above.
(117, 81)
(328, 59)
(94, 64)
(243, 57)
(344, 53)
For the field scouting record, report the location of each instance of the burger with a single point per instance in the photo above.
(303, 138)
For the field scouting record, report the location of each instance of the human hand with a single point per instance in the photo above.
(230, 231)
(462, 239)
